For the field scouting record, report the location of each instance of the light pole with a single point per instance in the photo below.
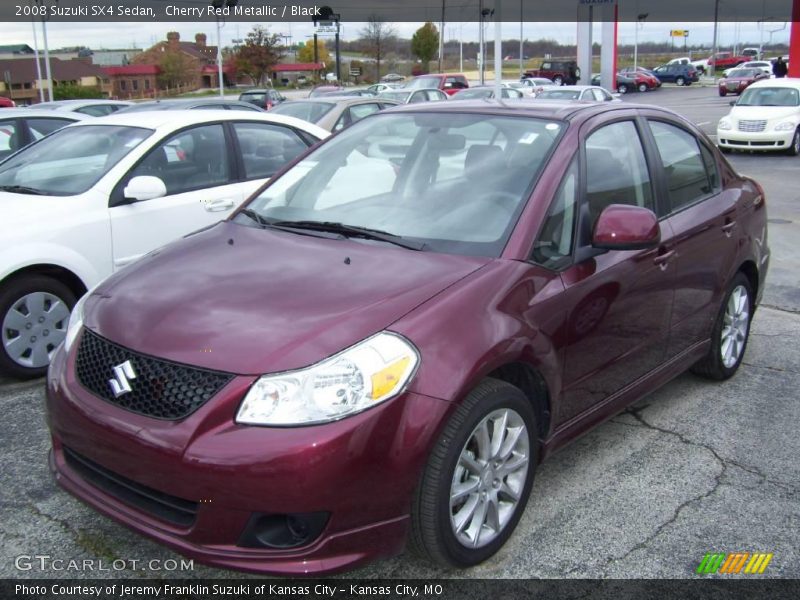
(48, 72)
(219, 4)
(639, 23)
(38, 63)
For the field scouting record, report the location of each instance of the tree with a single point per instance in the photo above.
(376, 35)
(306, 53)
(259, 53)
(425, 43)
(177, 69)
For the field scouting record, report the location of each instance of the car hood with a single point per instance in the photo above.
(765, 112)
(249, 301)
(23, 213)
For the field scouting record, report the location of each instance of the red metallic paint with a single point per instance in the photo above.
(624, 227)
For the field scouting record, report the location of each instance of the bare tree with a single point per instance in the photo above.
(376, 36)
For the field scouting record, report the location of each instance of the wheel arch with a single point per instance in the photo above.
(59, 273)
(750, 270)
(528, 379)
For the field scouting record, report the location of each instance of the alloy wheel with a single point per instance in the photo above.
(33, 327)
(489, 478)
(735, 326)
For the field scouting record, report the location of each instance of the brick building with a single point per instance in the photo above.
(23, 85)
(133, 81)
(200, 59)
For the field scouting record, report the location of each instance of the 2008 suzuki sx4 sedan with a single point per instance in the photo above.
(380, 346)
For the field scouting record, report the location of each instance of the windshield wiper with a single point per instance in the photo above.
(21, 189)
(249, 212)
(352, 231)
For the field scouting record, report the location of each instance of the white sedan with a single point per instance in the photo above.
(93, 197)
(765, 117)
(762, 65)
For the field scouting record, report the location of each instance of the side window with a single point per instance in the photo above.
(553, 247)
(711, 167)
(9, 138)
(189, 160)
(684, 168)
(600, 95)
(360, 111)
(418, 97)
(42, 127)
(616, 170)
(266, 148)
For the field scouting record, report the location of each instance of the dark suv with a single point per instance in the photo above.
(560, 72)
(680, 74)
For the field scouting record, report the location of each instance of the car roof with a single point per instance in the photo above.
(43, 114)
(56, 104)
(177, 119)
(790, 82)
(178, 102)
(577, 88)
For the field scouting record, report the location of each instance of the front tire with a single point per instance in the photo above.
(680, 81)
(558, 80)
(730, 334)
(643, 87)
(622, 88)
(34, 314)
(478, 478)
(794, 148)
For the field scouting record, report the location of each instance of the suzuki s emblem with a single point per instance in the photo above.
(120, 384)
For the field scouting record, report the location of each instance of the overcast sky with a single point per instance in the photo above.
(141, 35)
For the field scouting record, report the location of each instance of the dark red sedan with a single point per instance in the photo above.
(383, 343)
(739, 80)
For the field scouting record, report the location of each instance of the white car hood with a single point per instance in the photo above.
(765, 112)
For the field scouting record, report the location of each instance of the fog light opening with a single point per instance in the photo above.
(283, 531)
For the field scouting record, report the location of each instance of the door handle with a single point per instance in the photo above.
(729, 227)
(218, 205)
(662, 260)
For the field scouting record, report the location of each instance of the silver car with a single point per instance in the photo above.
(333, 113)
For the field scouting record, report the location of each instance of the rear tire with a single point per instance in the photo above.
(680, 81)
(476, 484)
(723, 93)
(794, 148)
(643, 87)
(558, 80)
(34, 313)
(731, 332)
(622, 89)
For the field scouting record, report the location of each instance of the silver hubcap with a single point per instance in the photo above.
(33, 328)
(735, 326)
(489, 478)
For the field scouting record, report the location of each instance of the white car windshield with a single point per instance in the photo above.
(69, 161)
(449, 182)
(770, 96)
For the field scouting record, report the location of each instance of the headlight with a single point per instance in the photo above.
(724, 124)
(75, 321)
(785, 126)
(354, 380)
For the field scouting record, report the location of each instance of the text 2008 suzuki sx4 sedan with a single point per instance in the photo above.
(381, 345)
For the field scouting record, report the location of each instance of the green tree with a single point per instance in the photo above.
(306, 53)
(177, 69)
(73, 92)
(259, 53)
(425, 43)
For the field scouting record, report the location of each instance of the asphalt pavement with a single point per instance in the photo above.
(695, 467)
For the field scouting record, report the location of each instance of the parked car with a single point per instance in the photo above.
(738, 80)
(679, 74)
(96, 196)
(764, 65)
(264, 98)
(643, 79)
(723, 60)
(393, 78)
(536, 84)
(321, 90)
(203, 103)
(487, 91)
(765, 117)
(560, 72)
(592, 93)
(332, 113)
(208, 396)
(624, 84)
(683, 60)
(382, 87)
(414, 96)
(91, 108)
(752, 53)
(358, 92)
(449, 83)
(22, 126)
(6, 102)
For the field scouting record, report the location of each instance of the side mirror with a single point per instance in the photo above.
(144, 187)
(732, 103)
(625, 227)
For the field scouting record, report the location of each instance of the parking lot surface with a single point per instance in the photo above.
(693, 468)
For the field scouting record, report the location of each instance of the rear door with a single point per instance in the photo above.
(703, 219)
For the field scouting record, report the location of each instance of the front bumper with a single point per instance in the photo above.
(763, 140)
(362, 470)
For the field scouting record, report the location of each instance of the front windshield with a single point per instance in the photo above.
(560, 95)
(770, 96)
(399, 96)
(454, 182)
(307, 111)
(422, 82)
(71, 160)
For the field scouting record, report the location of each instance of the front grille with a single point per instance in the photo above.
(162, 506)
(752, 126)
(158, 388)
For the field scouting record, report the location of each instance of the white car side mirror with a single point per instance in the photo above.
(145, 187)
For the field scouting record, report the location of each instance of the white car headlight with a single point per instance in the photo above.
(354, 380)
(785, 126)
(724, 124)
